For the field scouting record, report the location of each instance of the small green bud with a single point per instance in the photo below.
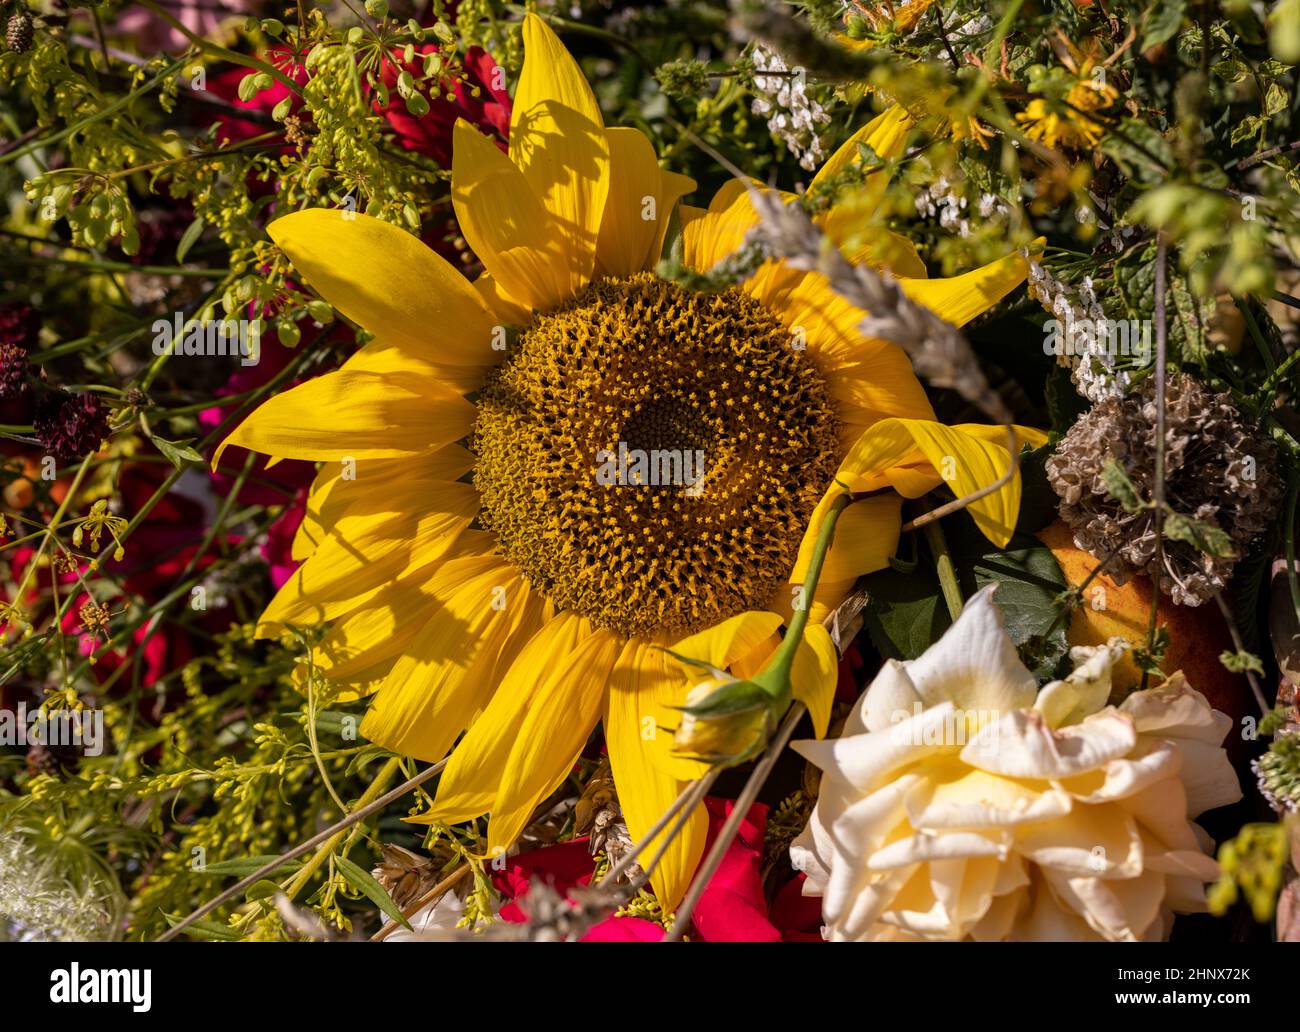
(288, 333)
(321, 311)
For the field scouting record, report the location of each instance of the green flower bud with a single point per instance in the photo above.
(724, 721)
(320, 311)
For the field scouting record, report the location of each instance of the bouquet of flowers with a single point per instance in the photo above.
(671, 471)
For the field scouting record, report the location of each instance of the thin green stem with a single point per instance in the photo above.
(776, 675)
(943, 564)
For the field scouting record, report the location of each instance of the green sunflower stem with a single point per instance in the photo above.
(943, 564)
(775, 677)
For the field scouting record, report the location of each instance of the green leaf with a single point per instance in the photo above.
(362, 881)
(178, 453)
(1231, 70)
(243, 866)
(1137, 162)
(1162, 21)
(905, 612)
(1186, 316)
(1240, 662)
(1029, 581)
(1199, 534)
(263, 889)
(191, 235)
(213, 931)
(1120, 487)
(1275, 99)
(1247, 129)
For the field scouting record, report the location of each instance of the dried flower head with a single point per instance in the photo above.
(70, 425)
(18, 32)
(1219, 471)
(95, 617)
(13, 370)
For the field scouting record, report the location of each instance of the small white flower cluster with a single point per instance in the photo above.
(1094, 374)
(942, 202)
(792, 116)
(993, 207)
(976, 26)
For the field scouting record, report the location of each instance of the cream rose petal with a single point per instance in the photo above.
(974, 665)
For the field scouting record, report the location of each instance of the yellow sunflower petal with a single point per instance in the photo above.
(366, 552)
(486, 615)
(347, 414)
(967, 461)
(640, 204)
(654, 684)
(866, 535)
(672, 189)
(468, 785)
(872, 377)
(645, 790)
(632, 208)
(709, 237)
(312, 531)
(558, 142)
(959, 299)
(508, 311)
(870, 245)
(389, 283)
(885, 134)
(504, 222)
(852, 221)
(814, 675)
(558, 718)
(732, 639)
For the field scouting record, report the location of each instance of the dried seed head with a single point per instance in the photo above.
(1218, 470)
(18, 32)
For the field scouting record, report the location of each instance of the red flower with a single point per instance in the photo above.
(234, 129)
(732, 909)
(430, 134)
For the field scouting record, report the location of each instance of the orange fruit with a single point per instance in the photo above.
(1198, 635)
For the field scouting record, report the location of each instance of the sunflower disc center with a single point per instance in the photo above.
(649, 456)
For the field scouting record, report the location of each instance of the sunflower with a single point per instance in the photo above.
(478, 577)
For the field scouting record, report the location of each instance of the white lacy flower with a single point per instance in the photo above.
(792, 116)
(962, 803)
